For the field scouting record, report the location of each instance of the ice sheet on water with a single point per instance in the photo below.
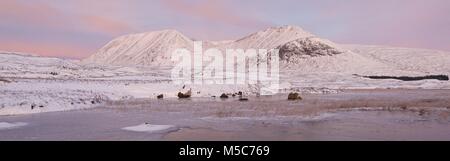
(7, 125)
(149, 128)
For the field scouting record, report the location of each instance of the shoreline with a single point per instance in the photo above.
(371, 98)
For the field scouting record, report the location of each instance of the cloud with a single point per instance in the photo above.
(106, 25)
(32, 13)
(35, 18)
(60, 28)
(47, 49)
(214, 11)
(41, 14)
(407, 23)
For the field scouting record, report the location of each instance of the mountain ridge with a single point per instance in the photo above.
(154, 48)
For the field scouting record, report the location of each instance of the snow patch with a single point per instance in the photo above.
(149, 128)
(7, 125)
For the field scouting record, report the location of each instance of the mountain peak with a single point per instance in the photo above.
(169, 31)
(273, 36)
(287, 29)
(141, 49)
(159, 32)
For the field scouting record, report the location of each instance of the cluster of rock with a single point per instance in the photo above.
(33, 106)
(188, 94)
(306, 47)
(240, 94)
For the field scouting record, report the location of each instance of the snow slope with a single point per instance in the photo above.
(22, 65)
(153, 48)
(271, 38)
(419, 61)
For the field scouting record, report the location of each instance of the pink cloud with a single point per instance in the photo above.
(42, 14)
(47, 49)
(106, 25)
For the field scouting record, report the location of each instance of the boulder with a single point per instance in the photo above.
(294, 96)
(243, 99)
(224, 96)
(185, 95)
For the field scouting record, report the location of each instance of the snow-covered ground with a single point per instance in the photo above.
(30, 84)
(37, 84)
(33, 84)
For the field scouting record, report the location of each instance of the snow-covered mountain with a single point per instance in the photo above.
(151, 48)
(154, 48)
(410, 60)
(271, 37)
(27, 65)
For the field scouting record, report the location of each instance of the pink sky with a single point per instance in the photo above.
(77, 28)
